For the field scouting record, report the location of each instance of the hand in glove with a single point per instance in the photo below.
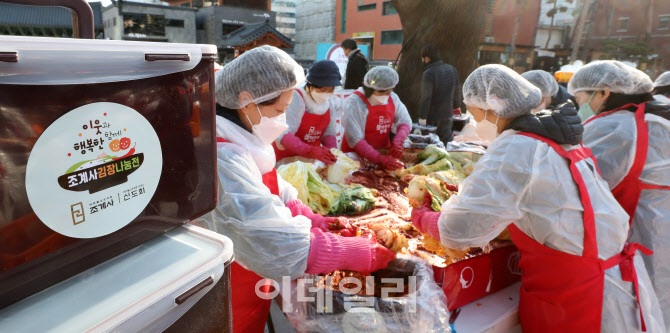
(297, 146)
(322, 154)
(330, 252)
(318, 221)
(425, 219)
(390, 163)
(398, 140)
(457, 112)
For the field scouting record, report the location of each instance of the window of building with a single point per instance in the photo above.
(388, 9)
(587, 26)
(228, 28)
(343, 17)
(115, 21)
(174, 23)
(623, 24)
(664, 22)
(143, 24)
(366, 7)
(490, 6)
(391, 37)
(489, 57)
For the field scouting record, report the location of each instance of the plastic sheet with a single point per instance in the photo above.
(423, 310)
(422, 141)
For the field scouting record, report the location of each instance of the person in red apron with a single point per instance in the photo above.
(272, 234)
(375, 118)
(579, 272)
(309, 117)
(629, 136)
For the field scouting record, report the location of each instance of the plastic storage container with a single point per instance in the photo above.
(143, 290)
(104, 145)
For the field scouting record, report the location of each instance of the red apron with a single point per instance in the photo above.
(628, 191)
(563, 292)
(378, 125)
(310, 131)
(250, 312)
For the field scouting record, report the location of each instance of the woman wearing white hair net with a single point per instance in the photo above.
(662, 88)
(536, 181)
(375, 118)
(630, 142)
(271, 229)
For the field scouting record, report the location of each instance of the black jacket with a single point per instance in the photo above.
(562, 96)
(439, 92)
(356, 69)
(562, 125)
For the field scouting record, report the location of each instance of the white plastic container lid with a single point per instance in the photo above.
(51, 61)
(132, 292)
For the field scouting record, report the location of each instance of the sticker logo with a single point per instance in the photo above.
(94, 170)
(467, 277)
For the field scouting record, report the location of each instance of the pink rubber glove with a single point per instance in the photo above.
(329, 252)
(318, 221)
(398, 140)
(425, 219)
(364, 149)
(390, 163)
(329, 141)
(297, 146)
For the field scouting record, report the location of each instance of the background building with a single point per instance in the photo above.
(510, 29)
(213, 23)
(370, 22)
(315, 23)
(509, 33)
(20, 20)
(148, 22)
(630, 30)
(285, 11)
(250, 4)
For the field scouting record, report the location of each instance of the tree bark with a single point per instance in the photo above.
(456, 27)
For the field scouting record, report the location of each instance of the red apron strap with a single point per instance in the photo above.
(626, 262)
(271, 181)
(576, 155)
(642, 144)
(300, 93)
(365, 100)
(603, 114)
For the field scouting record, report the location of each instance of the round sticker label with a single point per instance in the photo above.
(94, 170)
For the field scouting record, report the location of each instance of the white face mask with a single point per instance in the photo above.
(268, 129)
(380, 99)
(320, 97)
(487, 130)
(539, 108)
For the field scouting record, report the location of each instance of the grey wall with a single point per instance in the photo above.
(187, 34)
(210, 18)
(315, 23)
(112, 31)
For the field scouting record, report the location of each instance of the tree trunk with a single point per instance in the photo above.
(454, 26)
(551, 25)
(580, 30)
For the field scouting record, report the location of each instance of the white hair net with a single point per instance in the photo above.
(543, 80)
(612, 75)
(381, 78)
(264, 72)
(498, 88)
(662, 80)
